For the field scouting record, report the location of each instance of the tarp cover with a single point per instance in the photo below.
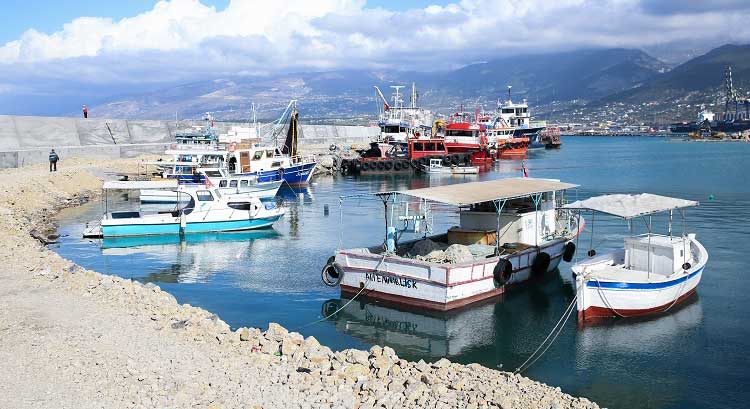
(462, 194)
(140, 184)
(630, 206)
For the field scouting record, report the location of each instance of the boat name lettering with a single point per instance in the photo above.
(388, 279)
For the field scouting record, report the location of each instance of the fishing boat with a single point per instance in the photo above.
(651, 274)
(398, 122)
(220, 179)
(436, 166)
(509, 231)
(207, 210)
(517, 116)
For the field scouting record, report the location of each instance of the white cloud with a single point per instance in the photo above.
(181, 39)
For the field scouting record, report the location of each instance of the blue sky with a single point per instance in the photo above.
(48, 16)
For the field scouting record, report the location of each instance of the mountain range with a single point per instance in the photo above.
(584, 78)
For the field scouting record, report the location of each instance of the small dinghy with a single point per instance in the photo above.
(651, 274)
(436, 166)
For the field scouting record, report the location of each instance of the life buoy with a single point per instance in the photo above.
(332, 273)
(502, 272)
(540, 264)
(388, 165)
(568, 251)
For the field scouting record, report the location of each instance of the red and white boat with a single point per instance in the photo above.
(510, 230)
(464, 134)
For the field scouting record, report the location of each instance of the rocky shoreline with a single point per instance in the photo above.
(77, 338)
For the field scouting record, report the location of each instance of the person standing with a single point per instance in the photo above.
(85, 112)
(53, 158)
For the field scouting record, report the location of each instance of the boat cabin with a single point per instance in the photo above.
(419, 148)
(257, 159)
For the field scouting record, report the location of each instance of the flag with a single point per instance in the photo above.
(525, 171)
(385, 106)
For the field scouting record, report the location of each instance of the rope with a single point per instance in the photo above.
(335, 312)
(565, 316)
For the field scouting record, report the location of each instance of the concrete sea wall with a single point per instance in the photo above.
(26, 140)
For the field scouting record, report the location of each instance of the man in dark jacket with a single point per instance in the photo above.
(53, 158)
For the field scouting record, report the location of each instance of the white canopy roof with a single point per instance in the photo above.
(630, 206)
(462, 194)
(140, 184)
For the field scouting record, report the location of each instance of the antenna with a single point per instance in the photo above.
(509, 87)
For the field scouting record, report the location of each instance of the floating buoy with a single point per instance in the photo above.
(711, 197)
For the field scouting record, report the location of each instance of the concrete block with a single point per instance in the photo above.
(9, 139)
(102, 131)
(148, 131)
(40, 131)
(8, 159)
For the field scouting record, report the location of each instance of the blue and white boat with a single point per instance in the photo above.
(653, 272)
(206, 211)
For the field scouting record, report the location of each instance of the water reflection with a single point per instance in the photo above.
(191, 258)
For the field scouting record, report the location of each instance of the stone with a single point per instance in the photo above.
(390, 353)
(427, 379)
(414, 391)
(270, 347)
(382, 362)
(356, 371)
(376, 351)
(244, 334)
(356, 356)
(441, 363)
(275, 332)
(288, 346)
(458, 384)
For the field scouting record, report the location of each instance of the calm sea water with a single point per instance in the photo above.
(694, 356)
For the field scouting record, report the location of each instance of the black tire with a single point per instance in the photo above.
(330, 307)
(332, 273)
(447, 160)
(568, 251)
(540, 264)
(423, 161)
(388, 165)
(380, 165)
(397, 165)
(456, 159)
(364, 165)
(502, 272)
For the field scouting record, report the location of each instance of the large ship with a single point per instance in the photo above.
(517, 116)
(398, 122)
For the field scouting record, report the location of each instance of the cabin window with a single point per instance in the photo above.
(507, 110)
(223, 183)
(244, 183)
(440, 146)
(418, 146)
(269, 154)
(429, 147)
(258, 155)
(204, 196)
(276, 165)
(212, 173)
(240, 205)
(232, 183)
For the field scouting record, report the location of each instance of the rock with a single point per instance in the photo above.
(275, 332)
(356, 356)
(288, 346)
(382, 362)
(441, 363)
(458, 253)
(244, 334)
(357, 370)
(376, 351)
(414, 391)
(270, 347)
(458, 384)
(427, 379)
(390, 353)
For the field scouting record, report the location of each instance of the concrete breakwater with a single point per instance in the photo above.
(77, 338)
(27, 140)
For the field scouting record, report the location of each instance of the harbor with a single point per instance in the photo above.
(244, 279)
(374, 205)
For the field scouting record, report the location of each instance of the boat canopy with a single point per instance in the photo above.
(140, 184)
(464, 194)
(630, 206)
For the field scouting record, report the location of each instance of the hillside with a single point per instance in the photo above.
(577, 75)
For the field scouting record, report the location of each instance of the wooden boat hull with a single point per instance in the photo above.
(432, 286)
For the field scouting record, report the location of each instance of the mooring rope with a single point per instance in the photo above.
(337, 311)
(556, 330)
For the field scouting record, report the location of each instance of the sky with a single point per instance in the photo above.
(121, 43)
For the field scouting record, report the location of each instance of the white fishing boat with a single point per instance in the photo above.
(651, 274)
(221, 179)
(510, 230)
(436, 166)
(206, 211)
(399, 122)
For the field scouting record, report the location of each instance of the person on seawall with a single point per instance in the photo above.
(53, 158)
(85, 110)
